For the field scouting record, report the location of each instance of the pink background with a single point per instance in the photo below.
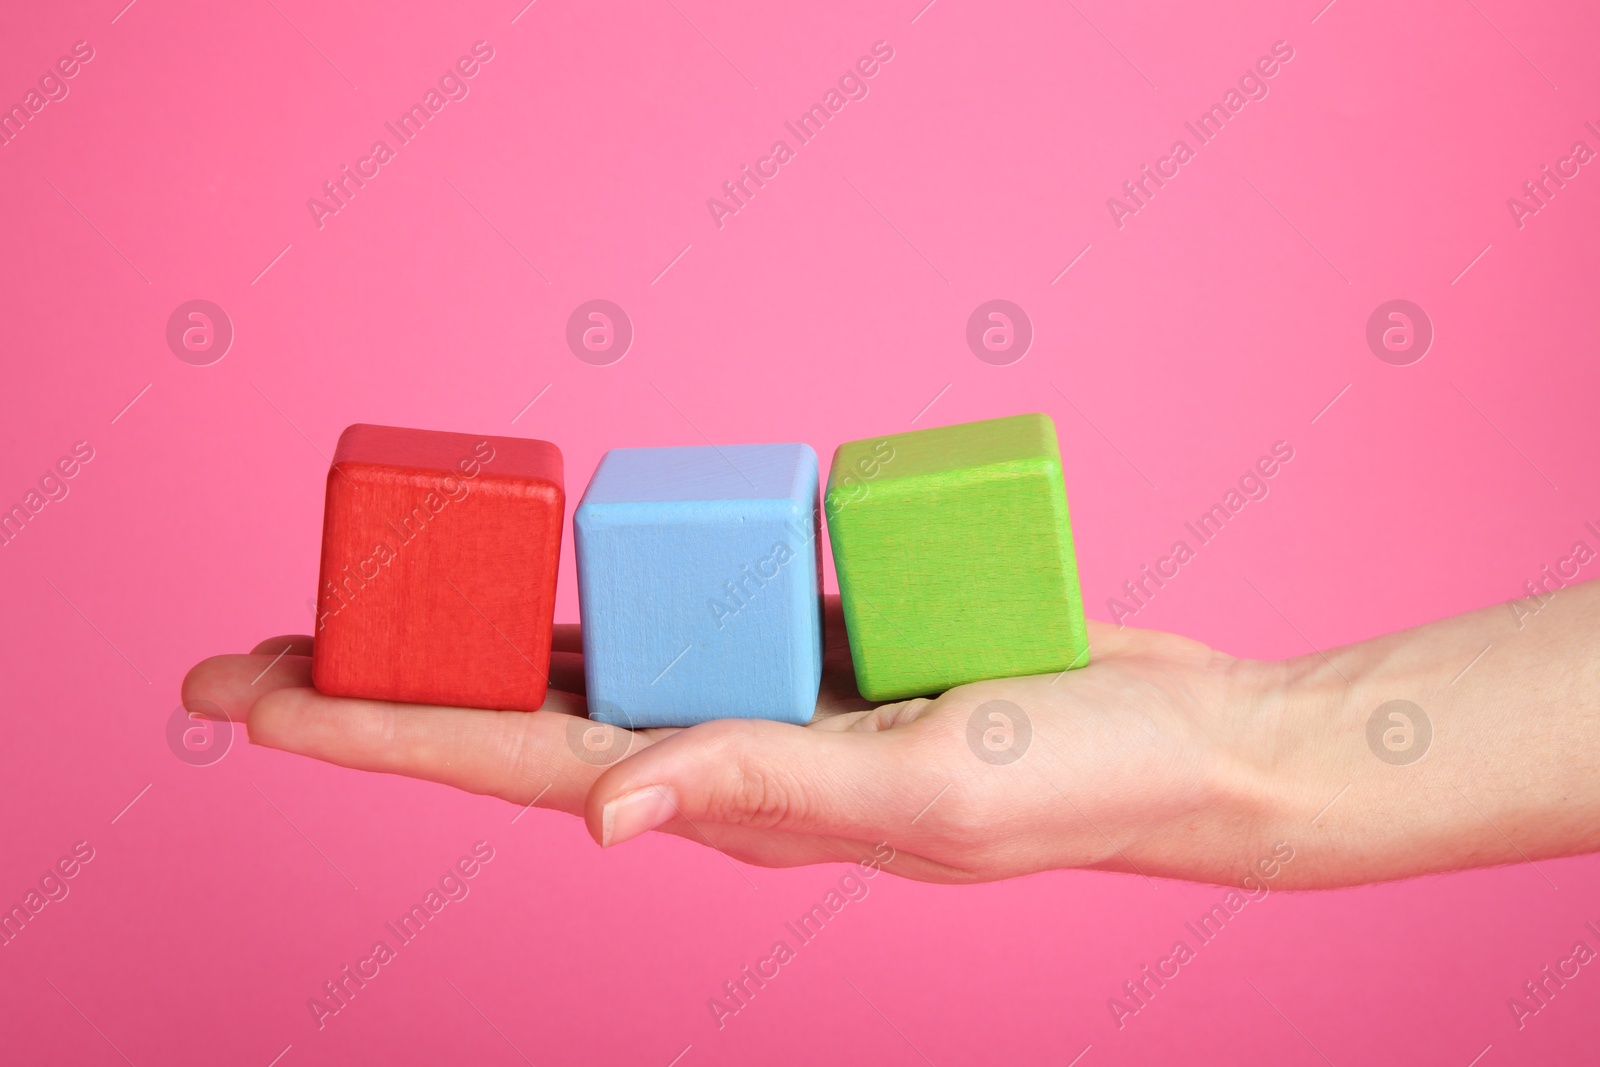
(1224, 316)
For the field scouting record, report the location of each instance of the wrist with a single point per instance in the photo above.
(1358, 785)
(1283, 773)
(1311, 744)
(1258, 786)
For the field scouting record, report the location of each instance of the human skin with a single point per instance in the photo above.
(1160, 757)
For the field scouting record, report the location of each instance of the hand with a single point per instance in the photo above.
(1159, 757)
(1145, 760)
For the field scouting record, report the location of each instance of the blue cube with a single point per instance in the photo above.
(700, 583)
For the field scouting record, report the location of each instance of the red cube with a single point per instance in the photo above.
(439, 554)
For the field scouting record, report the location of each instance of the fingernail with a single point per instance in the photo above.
(636, 811)
(204, 709)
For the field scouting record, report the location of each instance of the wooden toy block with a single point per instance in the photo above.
(954, 555)
(699, 580)
(439, 555)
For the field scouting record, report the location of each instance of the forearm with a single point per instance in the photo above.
(1510, 773)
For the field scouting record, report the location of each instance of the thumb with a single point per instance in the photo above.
(762, 775)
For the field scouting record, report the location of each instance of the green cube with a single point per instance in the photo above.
(955, 557)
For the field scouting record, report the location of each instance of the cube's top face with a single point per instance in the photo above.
(1016, 443)
(693, 481)
(396, 454)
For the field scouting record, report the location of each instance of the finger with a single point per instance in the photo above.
(774, 848)
(225, 687)
(518, 756)
(523, 758)
(764, 775)
(292, 644)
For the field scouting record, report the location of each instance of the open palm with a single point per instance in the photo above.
(1110, 766)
